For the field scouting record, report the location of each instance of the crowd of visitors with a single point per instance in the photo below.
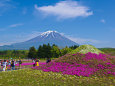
(5, 64)
(9, 63)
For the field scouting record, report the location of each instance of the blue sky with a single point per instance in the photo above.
(83, 21)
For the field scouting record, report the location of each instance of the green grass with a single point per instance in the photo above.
(29, 77)
(85, 49)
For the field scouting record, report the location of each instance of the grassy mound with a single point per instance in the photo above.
(85, 49)
(78, 64)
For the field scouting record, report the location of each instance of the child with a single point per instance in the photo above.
(33, 63)
(37, 62)
(4, 65)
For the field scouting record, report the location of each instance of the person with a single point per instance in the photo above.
(20, 62)
(13, 65)
(0, 63)
(34, 62)
(9, 63)
(48, 60)
(4, 65)
(37, 62)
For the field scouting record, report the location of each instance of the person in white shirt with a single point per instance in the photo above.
(4, 65)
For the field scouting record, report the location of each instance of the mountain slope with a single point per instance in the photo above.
(51, 37)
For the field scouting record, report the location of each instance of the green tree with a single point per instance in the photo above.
(55, 51)
(32, 52)
(74, 47)
(65, 50)
(40, 52)
(44, 51)
(48, 51)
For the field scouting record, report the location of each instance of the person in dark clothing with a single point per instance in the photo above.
(20, 62)
(13, 65)
(48, 60)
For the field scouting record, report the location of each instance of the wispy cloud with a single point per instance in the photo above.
(80, 40)
(84, 41)
(11, 26)
(102, 21)
(6, 43)
(15, 25)
(24, 11)
(5, 5)
(65, 9)
(19, 37)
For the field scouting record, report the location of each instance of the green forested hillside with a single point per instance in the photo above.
(110, 51)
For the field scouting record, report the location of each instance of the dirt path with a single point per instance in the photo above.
(23, 66)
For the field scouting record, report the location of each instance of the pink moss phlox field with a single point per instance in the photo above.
(91, 56)
(66, 68)
(82, 65)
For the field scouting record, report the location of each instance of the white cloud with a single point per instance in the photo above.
(6, 43)
(11, 26)
(15, 25)
(4, 3)
(65, 9)
(103, 21)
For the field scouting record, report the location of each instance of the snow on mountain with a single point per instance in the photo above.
(48, 32)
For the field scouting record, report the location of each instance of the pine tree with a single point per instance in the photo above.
(32, 52)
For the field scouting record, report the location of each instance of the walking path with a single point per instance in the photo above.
(23, 66)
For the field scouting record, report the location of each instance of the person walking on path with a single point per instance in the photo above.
(20, 62)
(13, 65)
(34, 62)
(4, 65)
(37, 62)
(9, 63)
(1, 64)
(48, 60)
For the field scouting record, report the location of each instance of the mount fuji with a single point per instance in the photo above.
(52, 37)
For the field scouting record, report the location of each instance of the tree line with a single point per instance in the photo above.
(7, 54)
(44, 51)
(48, 51)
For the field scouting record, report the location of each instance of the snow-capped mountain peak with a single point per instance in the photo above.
(47, 33)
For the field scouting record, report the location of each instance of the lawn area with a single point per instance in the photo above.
(29, 77)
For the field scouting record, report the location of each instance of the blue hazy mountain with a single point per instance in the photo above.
(52, 37)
